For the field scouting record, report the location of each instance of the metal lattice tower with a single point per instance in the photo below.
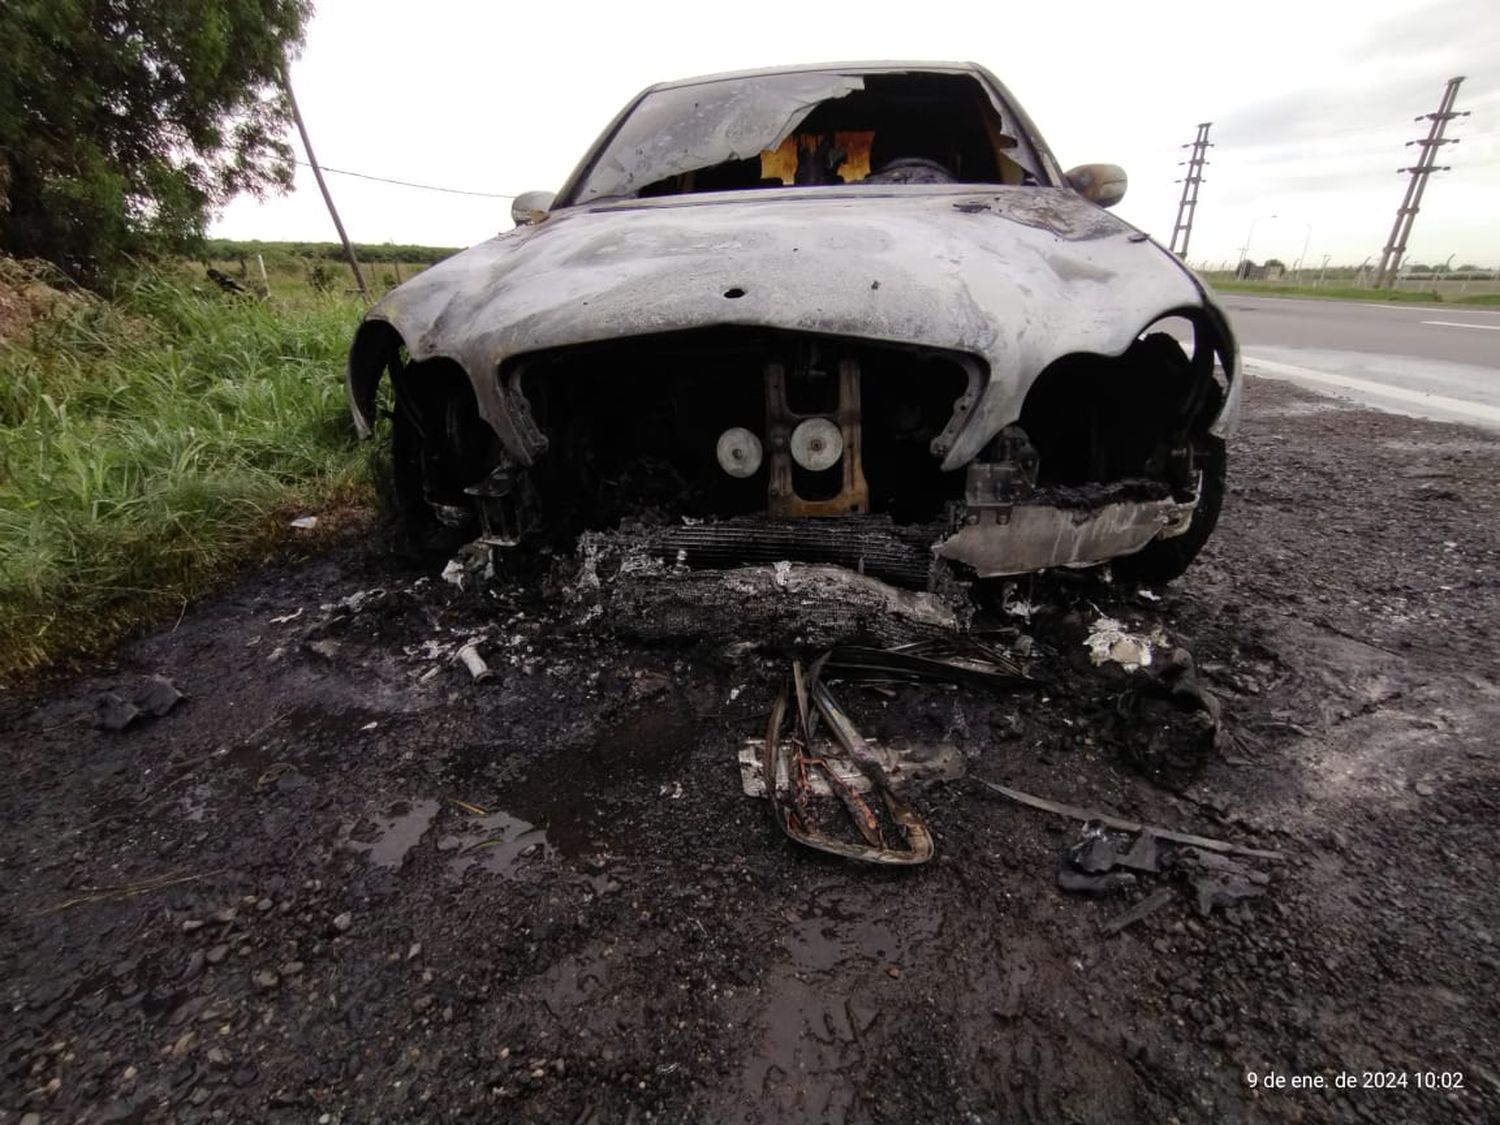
(1411, 203)
(1189, 205)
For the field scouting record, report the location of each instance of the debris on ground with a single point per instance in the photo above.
(1100, 863)
(469, 656)
(474, 563)
(781, 605)
(962, 660)
(1099, 852)
(1102, 883)
(906, 767)
(304, 523)
(152, 698)
(1109, 641)
(786, 606)
(1169, 722)
(1119, 824)
(1143, 909)
(1218, 880)
(795, 759)
(800, 767)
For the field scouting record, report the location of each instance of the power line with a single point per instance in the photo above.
(408, 183)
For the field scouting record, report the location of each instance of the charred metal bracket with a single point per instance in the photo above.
(782, 498)
(1180, 518)
(962, 408)
(518, 408)
(993, 487)
(507, 504)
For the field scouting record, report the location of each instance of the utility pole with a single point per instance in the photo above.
(1189, 204)
(1411, 203)
(359, 278)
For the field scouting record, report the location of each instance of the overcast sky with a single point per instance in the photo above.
(1311, 102)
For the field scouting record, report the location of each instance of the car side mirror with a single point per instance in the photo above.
(531, 207)
(1103, 184)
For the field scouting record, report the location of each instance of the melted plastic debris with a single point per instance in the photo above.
(1109, 641)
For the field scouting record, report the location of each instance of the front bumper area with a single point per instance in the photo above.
(1077, 529)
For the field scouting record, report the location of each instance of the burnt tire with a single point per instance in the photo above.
(439, 446)
(1162, 560)
(406, 494)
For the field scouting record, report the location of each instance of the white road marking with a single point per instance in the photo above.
(1414, 307)
(1459, 324)
(1459, 406)
(1388, 306)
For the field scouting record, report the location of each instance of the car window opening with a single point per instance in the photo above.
(876, 129)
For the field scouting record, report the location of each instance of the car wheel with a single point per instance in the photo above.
(407, 490)
(1162, 560)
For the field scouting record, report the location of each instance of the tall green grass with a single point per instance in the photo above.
(150, 444)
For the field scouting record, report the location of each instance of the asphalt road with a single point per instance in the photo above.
(1433, 361)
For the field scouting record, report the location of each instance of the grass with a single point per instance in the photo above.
(1353, 293)
(291, 278)
(151, 445)
(373, 252)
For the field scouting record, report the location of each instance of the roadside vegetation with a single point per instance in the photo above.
(291, 268)
(234, 249)
(1352, 293)
(123, 127)
(1479, 290)
(151, 444)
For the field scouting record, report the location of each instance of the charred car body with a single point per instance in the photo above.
(850, 314)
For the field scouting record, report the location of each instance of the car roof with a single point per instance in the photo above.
(883, 66)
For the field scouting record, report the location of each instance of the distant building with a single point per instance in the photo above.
(1272, 270)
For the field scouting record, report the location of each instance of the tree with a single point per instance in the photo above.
(125, 123)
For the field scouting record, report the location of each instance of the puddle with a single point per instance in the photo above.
(835, 937)
(396, 833)
(806, 1033)
(577, 797)
(498, 843)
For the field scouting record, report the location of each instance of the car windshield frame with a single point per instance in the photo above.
(739, 116)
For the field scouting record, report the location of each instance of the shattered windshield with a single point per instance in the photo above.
(807, 128)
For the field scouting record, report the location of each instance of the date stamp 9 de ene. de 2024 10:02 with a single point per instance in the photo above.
(1356, 1080)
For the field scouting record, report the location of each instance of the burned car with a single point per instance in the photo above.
(849, 314)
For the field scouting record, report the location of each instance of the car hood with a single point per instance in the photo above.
(1015, 276)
